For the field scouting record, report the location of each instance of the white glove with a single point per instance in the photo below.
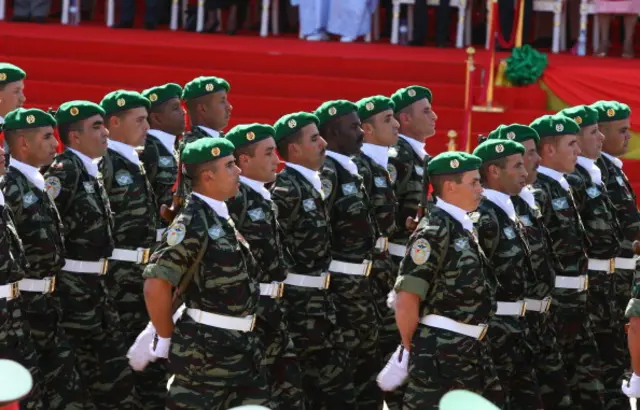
(161, 350)
(631, 387)
(391, 300)
(396, 371)
(139, 354)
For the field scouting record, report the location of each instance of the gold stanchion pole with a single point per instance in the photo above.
(520, 26)
(452, 135)
(488, 107)
(468, 103)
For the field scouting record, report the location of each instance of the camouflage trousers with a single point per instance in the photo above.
(441, 361)
(63, 386)
(513, 359)
(215, 369)
(548, 364)
(327, 379)
(91, 323)
(280, 360)
(581, 357)
(16, 345)
(125, 285)
(604, 315)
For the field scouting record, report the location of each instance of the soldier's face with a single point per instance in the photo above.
(531, 160)
(469, 191)
(12, 97)
(171, 117)
(41, 146)
(590, 141)
(616, 137)
(225, 178)
(219, 109)
(421, 119)
(351, 135)
(514, 175)
(385, 128)
(92, 139)
(133, 126)
(311, 148)
(565, 153)
(262, 166)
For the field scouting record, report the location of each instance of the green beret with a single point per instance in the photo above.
(247, 134)
(291, 123)
(162, 93)
(334, 109)
(10, 73)
(554, 125)
(206, 149)
(202, 86)
(453, 162)
(493, 149)
(516, 132)
(611, 111)
(23, 118)
(122, 100)
(368, 107)
(73, 111)
(583, 115)
(404, 97)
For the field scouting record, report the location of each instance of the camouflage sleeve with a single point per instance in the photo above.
(13, 200)
(329, 186)
(235, 205)
(60, 183)
(7, 260)
(633, 309)
(419, 267)
(150, 161)
(286, 199)
(542, 201)
(579, 190)
(488, 233)
(408, 191)
(178, 250)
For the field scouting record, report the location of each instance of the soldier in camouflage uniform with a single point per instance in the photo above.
(502, 238)
(11, 93)
(209, 111)
(354, 234)
(213, 350)
(89, 316)
(134, 232)
(166, 119)
(380, 132)
(559, 150)
(603, 245)
(254, 214)
(15, 339)
(446, 293)
(311, 309)
(29, 134)
(541, 337)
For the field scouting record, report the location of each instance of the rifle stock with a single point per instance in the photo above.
(168, 213)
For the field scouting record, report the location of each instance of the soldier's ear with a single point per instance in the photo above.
(367, 128)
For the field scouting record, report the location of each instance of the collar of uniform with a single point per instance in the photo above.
(90, 166)
(417, 146)
(256, 186)
(502, 200)
(592, 168)
(1, 198)
(312, 176)
(213, 133)
(345, 161)
(125, 150)
(1, 119)
(616, 161)
(378, 153)
(32, 173)
(553, 174)
(165, 138)
(528, 197)
(458, 214)
(219, 207)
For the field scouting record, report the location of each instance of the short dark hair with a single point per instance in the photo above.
(249, 150)
(548, 140)
(66, 128)
(118, 114)
(484, 168)
(283, 143)
(437, 181)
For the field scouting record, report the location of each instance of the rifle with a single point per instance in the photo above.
(168, 213)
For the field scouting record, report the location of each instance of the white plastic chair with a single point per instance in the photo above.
(588, 7)
(463, 27)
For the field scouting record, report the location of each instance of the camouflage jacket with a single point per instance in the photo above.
(195, 134)
(446, 267)
(406, 170)
(132, 202)
(161, 167)
(603, 233)
(13, 260)
(542, 258)
(624, 200)
(38, 223)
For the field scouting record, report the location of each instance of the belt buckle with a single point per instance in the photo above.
(105, 267)
(586, 282)
(144, 252)
(50, 285)
(485, 328)
(367, 272)
(523, 309)
(14, 290)
(253, 323)
(548, 304)
(280, 290)
(612, 265)
(327, 280)
(385, 244)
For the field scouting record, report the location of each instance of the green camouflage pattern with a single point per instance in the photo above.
(256, 219)
(161, 167)
(541, 338)
(15, 341)
(135, 219)
(195, 134)
(406, 170)
(89, 316)
(569, 315)
(39, 227)
(312, 320)
(507, 250)
(633, 308)
(354, 232)
(446, 267)
(215, 368)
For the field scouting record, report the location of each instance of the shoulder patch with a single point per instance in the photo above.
(123, 177)
(175, 234)
(53, 186)
(327, 186)
(420, 251)
(393, 172)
